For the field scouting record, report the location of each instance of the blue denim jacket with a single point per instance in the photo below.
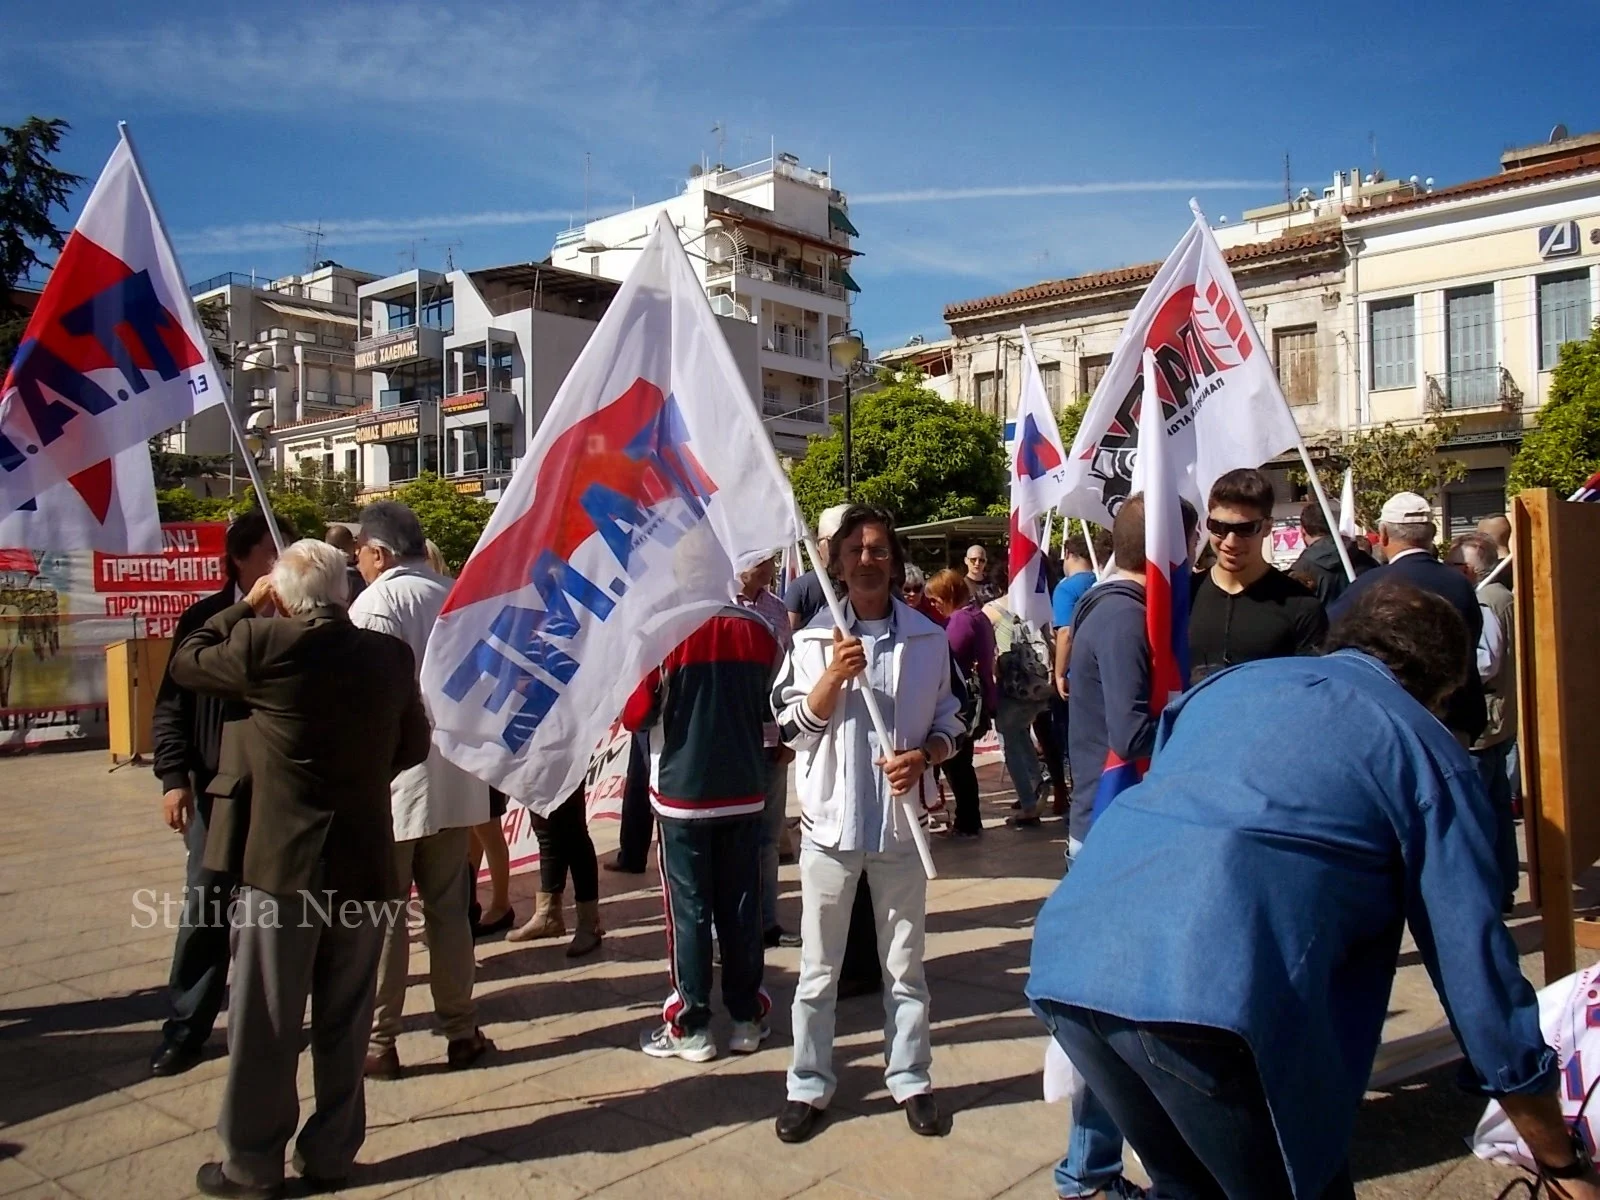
(1296, 814)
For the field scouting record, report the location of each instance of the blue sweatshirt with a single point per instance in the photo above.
(1108, 681)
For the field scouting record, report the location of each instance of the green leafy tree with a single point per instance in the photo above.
(1563, 450)
(32, 188)
(1387, 460)
(451, 519)
(915, 454)
(1070, 419)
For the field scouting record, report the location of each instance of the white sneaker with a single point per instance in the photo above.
(694, 1047)
(747, 1036)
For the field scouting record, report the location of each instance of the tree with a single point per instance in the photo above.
(451, 519)
(1563, 450)
(915, 454)
(1070, 419)
(1387, 460)
(31, 189)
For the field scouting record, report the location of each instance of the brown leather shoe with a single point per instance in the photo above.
(384, 1064)
(463, 1052)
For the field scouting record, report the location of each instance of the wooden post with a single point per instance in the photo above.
(1558, 638)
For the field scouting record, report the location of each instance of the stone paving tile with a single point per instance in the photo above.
(496, 1177)
(86, 1141)
(711, 1171)
(157, 1173)
(14, 1177)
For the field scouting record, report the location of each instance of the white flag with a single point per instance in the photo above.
(1347, 507)
(111, 507)
(1221, 403)
(1038, 481)
(616, 539)
(114, 352)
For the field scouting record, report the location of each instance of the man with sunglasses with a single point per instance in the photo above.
(1244, 608)
(983, 591)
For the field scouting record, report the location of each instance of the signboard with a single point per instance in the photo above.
(387, 349)
(1288, 542)
(387, 429)
(470, 487)
(60, 609)
(465, 403)
(1559, 240)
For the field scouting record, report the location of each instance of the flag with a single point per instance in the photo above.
(1166, 578)
(1590, 491)
(112, 354)
(1223, 405)
(111, 507)
(1347, 507)
(615, 539)
(1038, 479)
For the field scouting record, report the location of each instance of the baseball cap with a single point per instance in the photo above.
(828, 522)
(1405, 508)
(752, 560)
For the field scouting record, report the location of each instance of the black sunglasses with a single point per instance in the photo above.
(1221, 529)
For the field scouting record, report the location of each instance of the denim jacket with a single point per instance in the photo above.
(1260, 883)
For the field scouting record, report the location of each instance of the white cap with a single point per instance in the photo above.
(828, 522)
(1405, 508)
(752, 560)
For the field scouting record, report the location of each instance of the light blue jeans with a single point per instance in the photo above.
(1014, 723)
(1094, 1151)
(899, 908)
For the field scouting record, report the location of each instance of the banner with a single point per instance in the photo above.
(1038, 481)
(113, 352)
(1220, 400)
(59, 610)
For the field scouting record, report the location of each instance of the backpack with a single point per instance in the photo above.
(964, 685)
(1020, 669)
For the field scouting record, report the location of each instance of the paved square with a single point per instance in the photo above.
(568, 1106)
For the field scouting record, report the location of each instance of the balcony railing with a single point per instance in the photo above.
(787, 341)
(803, 408)
(771, 274)
(1481, 387)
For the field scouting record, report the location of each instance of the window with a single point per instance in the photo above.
(1296, 356)
(983, 391)
(1469, 347)
(402, 460)
(500, 369)
(430, 454)
(474, 448)
(1091, 369)
(351, 463)
(1481, 494)
(1393, 336)
(401, 315)
(1563, 314)
(503, 445)
(1050, 376)
(327, 465)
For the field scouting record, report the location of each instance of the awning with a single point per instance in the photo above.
(842, 277)
(258, 360)
(310, 314)
(838, 220)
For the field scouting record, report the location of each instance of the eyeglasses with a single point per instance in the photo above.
(1221, 529)
(875, 553)
(979, 561)
(911, 589)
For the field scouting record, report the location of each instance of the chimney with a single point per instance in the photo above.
(1355, 187)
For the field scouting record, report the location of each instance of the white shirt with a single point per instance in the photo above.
(404, 602)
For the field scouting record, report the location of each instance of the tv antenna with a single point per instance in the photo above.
(313, 236)
(721, 131)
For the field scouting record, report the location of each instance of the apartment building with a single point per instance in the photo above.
(771, 244)
(464, 367)
(289, 342)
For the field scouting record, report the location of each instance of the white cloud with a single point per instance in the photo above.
(1016, 191)
(362, 231)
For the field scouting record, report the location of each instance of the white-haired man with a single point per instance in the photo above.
(334, 714)
(436, 804)
(803, 598)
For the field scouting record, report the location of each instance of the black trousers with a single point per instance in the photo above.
(638, 821)
(565, 847)
(963, 779)
(199, 979)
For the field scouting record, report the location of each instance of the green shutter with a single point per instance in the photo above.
(838, 220)
(842, 278)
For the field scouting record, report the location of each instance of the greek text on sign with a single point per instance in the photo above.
(388, 430)
(402, 345)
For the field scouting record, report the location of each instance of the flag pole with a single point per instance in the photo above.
(879, 726)
(1088, 540)
(211, 354)
(1327, 509)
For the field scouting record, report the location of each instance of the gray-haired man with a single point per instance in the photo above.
(435, 805)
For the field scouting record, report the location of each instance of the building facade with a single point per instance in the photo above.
(290, 345)
(1379, 301)
(771, 244)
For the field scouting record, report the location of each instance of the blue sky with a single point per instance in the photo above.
(983, 147)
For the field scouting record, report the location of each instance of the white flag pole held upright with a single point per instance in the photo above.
(211, 354)
(879, 725)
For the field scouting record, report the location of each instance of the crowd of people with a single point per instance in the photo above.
(1215, 963)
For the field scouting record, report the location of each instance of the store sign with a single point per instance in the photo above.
(470, 487)
(387, 349)
(387, 429)
(1559, 240)
(465, 403)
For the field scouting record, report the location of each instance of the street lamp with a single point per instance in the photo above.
(845, 349)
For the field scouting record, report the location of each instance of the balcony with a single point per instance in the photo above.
(1478, 390)
(766, 273)
(399, 346)
(795, 343)
(803, 407)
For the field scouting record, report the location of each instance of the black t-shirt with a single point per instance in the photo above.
(1275, 617)
(804, 597)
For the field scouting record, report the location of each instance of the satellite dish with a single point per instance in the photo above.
(696, 171)
(1559, 133)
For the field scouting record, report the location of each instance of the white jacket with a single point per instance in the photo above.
(404, 602)
(924, 706)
